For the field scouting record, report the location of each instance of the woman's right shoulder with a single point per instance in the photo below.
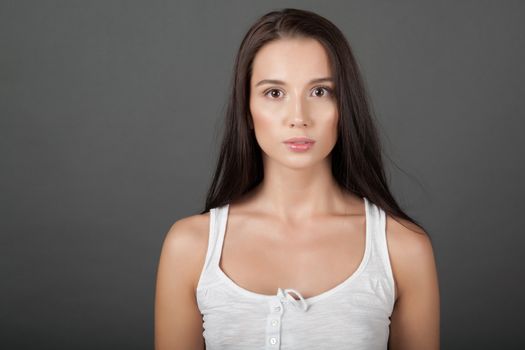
(186, 242)
(189, 229)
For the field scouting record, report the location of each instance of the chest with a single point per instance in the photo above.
(261, 256)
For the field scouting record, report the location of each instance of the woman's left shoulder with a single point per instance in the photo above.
(406, 235)
(411, 255)
(415, 319)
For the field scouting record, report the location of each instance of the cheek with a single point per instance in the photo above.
(328, 120)
(264, 111)
(265, 121)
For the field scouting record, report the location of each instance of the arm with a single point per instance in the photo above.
(178, 322)
(416, 316)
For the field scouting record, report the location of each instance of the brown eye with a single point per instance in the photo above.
(273, 93)
(322, 89)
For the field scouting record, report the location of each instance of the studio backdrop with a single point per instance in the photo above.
(110, 114)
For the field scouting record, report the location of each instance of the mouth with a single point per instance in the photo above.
(299, 146)
(299, 140)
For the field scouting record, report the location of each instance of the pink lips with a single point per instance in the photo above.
(299, 144)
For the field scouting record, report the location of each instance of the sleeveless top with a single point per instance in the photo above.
(355, 314)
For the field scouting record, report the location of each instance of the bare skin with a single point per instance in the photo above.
(297, 229)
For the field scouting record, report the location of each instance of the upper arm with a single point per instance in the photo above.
(178, 322)
(416, 315)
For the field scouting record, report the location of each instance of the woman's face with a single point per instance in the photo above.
(287, 99)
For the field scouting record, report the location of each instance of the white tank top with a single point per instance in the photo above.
(355, 314)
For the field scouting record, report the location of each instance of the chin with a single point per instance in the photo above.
(299, 161)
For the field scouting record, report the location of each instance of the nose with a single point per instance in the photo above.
(298, 124)
(298, 117)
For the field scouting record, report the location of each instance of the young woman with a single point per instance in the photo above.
(300, 245)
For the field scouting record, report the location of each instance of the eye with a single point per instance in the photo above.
(273, 92)
(321, 88)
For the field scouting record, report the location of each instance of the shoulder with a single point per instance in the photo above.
(188, 230)
(416, 316)
(185, 245)
(178, 321)
(411, 254)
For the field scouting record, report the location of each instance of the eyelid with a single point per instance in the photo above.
(327, 88)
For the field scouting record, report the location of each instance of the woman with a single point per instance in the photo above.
(301, 245)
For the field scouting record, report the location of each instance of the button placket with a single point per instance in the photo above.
(274, 318)
(273, 324)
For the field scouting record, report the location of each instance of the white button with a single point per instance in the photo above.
(275, 322)
(273, 340)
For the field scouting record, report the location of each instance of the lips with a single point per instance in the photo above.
(299, 140)
(299, 144)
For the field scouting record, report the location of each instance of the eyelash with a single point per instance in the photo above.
(329, 90)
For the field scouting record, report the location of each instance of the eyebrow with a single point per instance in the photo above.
(280, 82)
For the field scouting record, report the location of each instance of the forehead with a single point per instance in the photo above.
(292, 60)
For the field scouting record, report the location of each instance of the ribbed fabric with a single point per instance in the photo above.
(353, 315)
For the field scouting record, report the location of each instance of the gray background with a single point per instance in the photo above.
(110, 116)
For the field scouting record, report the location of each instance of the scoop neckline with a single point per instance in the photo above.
(254, 295)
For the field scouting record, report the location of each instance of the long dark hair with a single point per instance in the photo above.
(357, 164)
